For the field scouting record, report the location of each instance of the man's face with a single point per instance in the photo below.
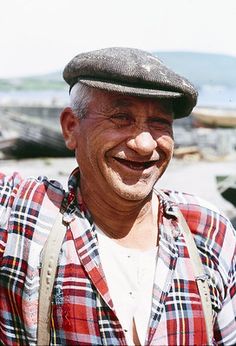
(124, 144)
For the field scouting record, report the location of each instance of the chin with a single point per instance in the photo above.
(137, 192)
(131, 188)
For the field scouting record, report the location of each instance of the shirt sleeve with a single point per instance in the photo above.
(225, 326)
(9, 186)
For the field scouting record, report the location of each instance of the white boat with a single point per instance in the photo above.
(214, 117)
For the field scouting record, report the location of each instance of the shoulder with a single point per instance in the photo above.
(9, 186)
(15, 191)
(195, 208)
(187, 199)
(212, 230)
(28, 208)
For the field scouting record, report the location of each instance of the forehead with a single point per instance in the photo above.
(105, 100)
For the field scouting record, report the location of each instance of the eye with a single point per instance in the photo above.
(121, 119)
(157, 122)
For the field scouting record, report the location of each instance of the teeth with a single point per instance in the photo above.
(135, 165)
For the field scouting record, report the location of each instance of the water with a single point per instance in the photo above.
(41, 97)
(217, 96)
(209, 96)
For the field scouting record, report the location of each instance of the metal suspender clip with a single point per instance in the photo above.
(203, 277)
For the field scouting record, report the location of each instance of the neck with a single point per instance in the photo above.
(130, 223)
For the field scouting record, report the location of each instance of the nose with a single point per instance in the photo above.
(143, 143)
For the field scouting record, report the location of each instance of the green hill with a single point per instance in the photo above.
(200, 68)
(51, 81)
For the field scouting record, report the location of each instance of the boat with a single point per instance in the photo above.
(7, 139)
(214, 117)
(38, 136)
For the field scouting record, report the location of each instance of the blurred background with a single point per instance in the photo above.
(194, 37)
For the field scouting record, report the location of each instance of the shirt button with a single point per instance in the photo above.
(131, 294)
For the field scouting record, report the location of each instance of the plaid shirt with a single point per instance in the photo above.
(82, 309)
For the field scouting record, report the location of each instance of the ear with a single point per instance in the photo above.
(69, 124)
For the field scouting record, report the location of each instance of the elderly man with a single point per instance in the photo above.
(127, 271)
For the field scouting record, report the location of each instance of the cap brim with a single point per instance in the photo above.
(125, 89)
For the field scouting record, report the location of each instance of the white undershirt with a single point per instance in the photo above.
(129, 274)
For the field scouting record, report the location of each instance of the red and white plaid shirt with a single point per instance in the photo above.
(82, 309)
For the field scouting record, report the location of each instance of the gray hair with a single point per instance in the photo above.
(80, 96)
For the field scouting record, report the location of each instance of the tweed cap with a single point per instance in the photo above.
(133, 72)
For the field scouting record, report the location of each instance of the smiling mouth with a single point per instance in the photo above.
(135, 165)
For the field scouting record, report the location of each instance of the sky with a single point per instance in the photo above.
(41, 36)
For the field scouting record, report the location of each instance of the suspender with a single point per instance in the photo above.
(49, 265)
(200, 277)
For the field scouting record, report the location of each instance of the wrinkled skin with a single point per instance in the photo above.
(123, 145)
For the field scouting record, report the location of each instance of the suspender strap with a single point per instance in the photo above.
(49, 265)
(200, 276)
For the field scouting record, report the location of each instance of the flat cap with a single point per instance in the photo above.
(134, 72)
